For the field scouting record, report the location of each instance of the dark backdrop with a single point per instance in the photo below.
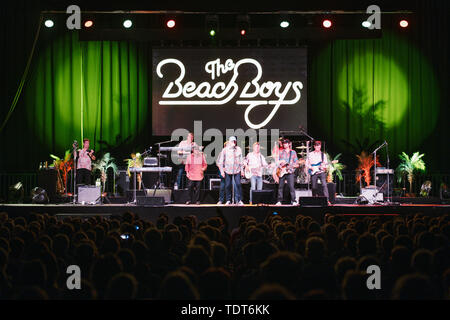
(361, 92)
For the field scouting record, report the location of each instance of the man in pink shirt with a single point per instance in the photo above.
(84, 165)
(195, 167)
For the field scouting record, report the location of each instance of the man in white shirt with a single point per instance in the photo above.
(317, 167)
(255, 162)
(230, 163)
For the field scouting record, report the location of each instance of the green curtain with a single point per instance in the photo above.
(97, 90)
(362, 92)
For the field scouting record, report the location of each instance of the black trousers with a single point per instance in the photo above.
(323, 179)
(83, 176)
(289, 178)
(194, 190)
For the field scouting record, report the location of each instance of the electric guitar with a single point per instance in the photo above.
(319, 168)
(286, 168)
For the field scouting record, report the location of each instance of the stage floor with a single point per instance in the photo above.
(231, 212)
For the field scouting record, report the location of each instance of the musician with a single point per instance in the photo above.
(195, 167)
(288, 158)
(222, 181)
(84, 163)
(255, 162)
(317, 163)
(230, 163)
(182, 155)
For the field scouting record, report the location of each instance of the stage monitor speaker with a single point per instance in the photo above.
(263, 196)
(165, 193)
(130, 194)
(302, 193)
(150, 201)
(88, 194)
(372, 194)
(313, 201)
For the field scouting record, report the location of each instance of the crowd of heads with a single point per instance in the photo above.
(282, 257)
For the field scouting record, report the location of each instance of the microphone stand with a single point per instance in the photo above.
(375, 165)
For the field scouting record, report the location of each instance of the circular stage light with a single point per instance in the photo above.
(284, 24)
(88, 23)
(212, 33)
(170, 23)
(49, 23)
(242, 32)
(127, 23)
(366, 24)
(327, 23)
(39, 195)
(404, 23)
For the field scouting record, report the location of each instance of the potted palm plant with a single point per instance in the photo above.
(366, 162)
(334, 167)
(62, 166)
(409, 166)
(102, 165)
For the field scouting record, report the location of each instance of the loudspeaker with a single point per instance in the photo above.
(150, 201)
(46, 179)
(130, 194)
(180, 196)
(382, 183)
(89, 194)
(313, 201)
(263, 196)
(123, 182)
(165, 193)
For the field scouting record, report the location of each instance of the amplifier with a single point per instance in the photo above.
(88, 194)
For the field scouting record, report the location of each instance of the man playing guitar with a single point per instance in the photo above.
(286, 165)
(254, 164)
(317, 164)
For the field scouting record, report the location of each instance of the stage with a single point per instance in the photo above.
(231, 212)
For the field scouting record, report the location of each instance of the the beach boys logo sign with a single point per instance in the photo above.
(254, 93)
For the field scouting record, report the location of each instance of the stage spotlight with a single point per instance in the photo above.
(170, 23)
(404, 23)
(88, 23)
(327, 23)
(49, 23)
(243, 24)
(366, 24)
(39, 195)
(284, 24)
(15, 194)
(127, 23)
(212, 24)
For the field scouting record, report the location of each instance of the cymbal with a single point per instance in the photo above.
(301, 147)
